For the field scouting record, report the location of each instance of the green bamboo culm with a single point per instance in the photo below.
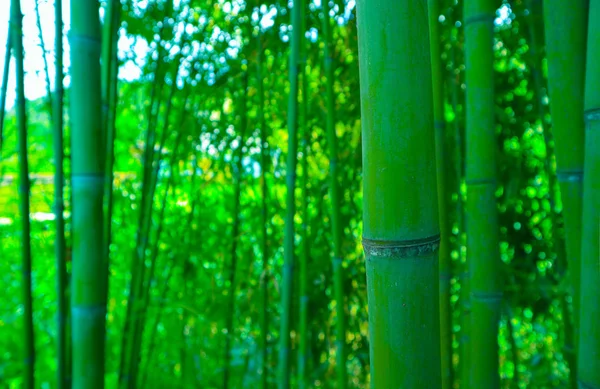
(483, 248)
(289, 233)
(89, 272)
(401, 234)
(565, 30)
(264, 319)
(59, 204)
(45, 60)
(334, 198)
(16, 22)
(110, 67)
(238, 172)
(4, 87)
(445, 224)
(536, 42)
(303, 327)
(589, 347)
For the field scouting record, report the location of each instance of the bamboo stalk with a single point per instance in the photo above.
(334, 198)
(303, 328)
(290, 233)
(264, 154)
(3, 89)
(59, 179)
(401, 232)
(565, 32)
(88, 307)
(445, 226)
(16, 22)
(44, 52)
(589, 346)
(238, 176)
(483, 247)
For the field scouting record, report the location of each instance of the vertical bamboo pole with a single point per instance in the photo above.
(483, 248)
(16, 21)
(88, 305)
(565, 30)
(303, 328)
(334, 198)
(401, 234)
(442, 163)
(589, 347)
(7, 58)
(290, 233)
(59, 205)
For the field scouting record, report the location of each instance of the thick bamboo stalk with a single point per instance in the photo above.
(483, 248)
(565, 31)
(3, 89)
(334, 198)
(264, 155)
(88, 307)
(589, 346)
(303, 328)
(401, 234)
(442, 163)
(237, 192)
(290, 232)
(16, 21)
(59, 204)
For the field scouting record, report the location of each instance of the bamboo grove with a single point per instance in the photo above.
(300, 194)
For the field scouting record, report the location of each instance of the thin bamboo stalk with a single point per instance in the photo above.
(44, 52)
(334, 198)
(110, 97)
(264, 155)
(290, 233)
(16, 22)
(401, 233)
(303, 328)
(238, 169)
(445, 224)
(59, 204)
(7, 58)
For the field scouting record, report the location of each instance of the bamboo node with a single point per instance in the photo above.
(570, 176)
(592, 115)
(402, 249)
(482, 18)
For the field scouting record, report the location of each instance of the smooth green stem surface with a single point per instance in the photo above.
(565, 31)
(589, 346)
(334, 199)
(289, 232)
(4, 88)
(483, 249)
(16, 21)
(88, 298)
(303, 327)
(442, 162)
(237, 176)
(400, 216)
(59, 205)
(264, 155)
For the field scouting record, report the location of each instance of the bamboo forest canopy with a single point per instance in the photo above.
(184, 185)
